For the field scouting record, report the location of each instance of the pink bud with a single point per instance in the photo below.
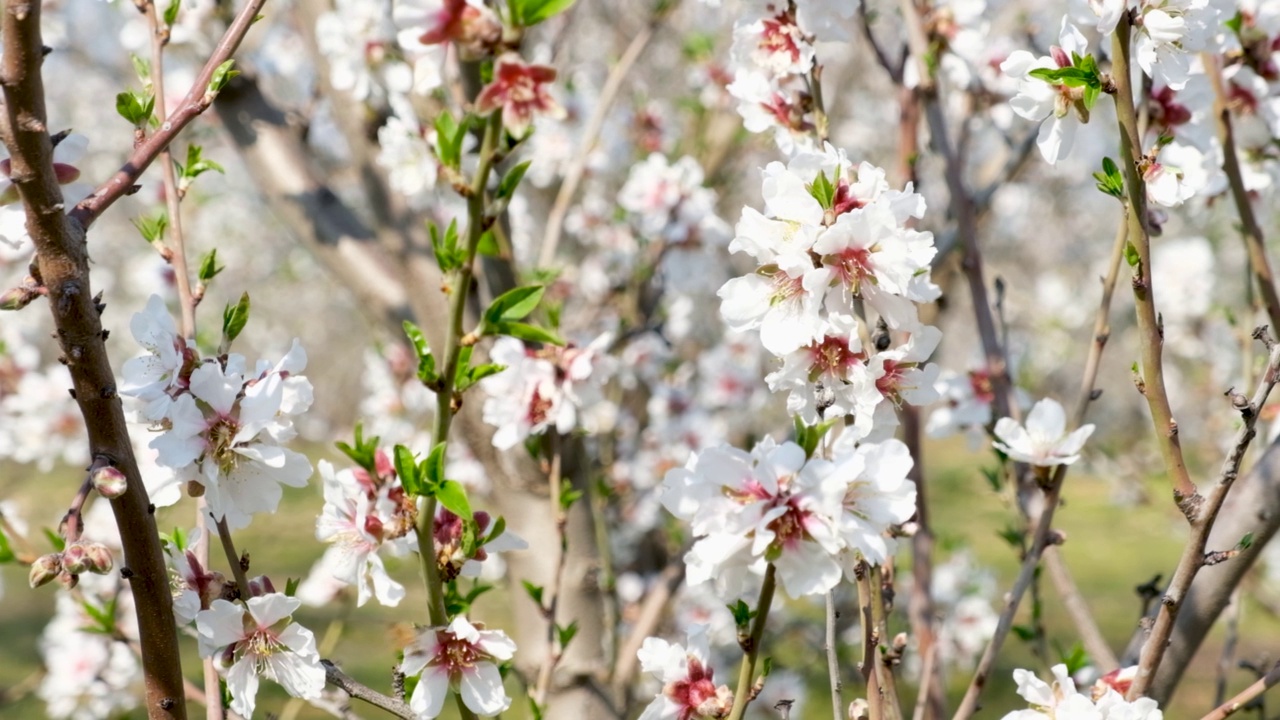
(75, 559)
(16, 298)
(68, 580)
(99, 558)
(44, 570)
(110, 482)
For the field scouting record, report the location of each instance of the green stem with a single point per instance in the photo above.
(445, 405)
(743, 695)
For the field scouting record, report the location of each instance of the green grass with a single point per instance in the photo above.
(1110, 550)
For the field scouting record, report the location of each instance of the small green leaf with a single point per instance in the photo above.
(488, 245)
(568, 494)
(1245, 543)
(478, 373)
(565, 634)
(136, 108)
(152, 227)
(221, 76)
(514, 304)
(234, 318)
(6, 550)
(364, 453)
(534, 591)
(511, 181)
(526, 332)
(171, 12)
(499, 527)
(56, 540)
(823, 190)
(742, 613)
(426, 361)
(433, 468)
(209, 267)
(445, 246)
(453, 496)
(1131, 254)
(406, 464)
(1076, 660)
(141, 68)
(531, 12)
(291, 586)
(1023, 632)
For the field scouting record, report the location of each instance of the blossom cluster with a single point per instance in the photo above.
(221, 424)
(552, 388)
(834, 244)
(1060, 700)
(813, 519)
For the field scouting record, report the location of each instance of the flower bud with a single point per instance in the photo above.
(99, 558)
(859, 710)
(110, 482)
(16, 298)
(75, 559)
(68, 580)
(44, 569)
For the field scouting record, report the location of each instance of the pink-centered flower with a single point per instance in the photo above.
(460, 658)
(1044, 441)
(257, 639)
(689, 691)
(466, 22)
(521, 91)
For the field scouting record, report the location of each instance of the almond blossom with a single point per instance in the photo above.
(461, 658)
(1060, 107)
(748, 509)
(255, 639)
(1044, 441)
(688, 690)
(1060, 700)
(164, 372)
(520, 91)
(362, 516)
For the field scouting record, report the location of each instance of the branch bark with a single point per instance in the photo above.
(63, 264)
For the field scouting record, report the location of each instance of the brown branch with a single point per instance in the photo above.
(1253, 237)
(64, 268)
(359, 691)
(198, 100)
(1202, 515)
(1239, 701)
(1150, 330)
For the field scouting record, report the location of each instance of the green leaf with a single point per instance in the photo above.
(1023, 632)
(1245, 543)
(453, 496)
(742, 613)
(1131, 254)
(1076, 660)
(514, 304)
(196, 166)
(426, 361)
(141, 68)
(171, 12)
(450, 135)
(209, 267)
(291, 586)
(364, 454)
(511, 181)
(55, 540)
(478, 373)
(445, 246)
(1110, 181)
(499, 527)
(531, 12)
(221, 76)
(136, 108)
(6, 550)
(234, 319)
(152, 227)
(534, 591)
(823, 190)
(1068, 76)
(565, 634)
(406, 464)
(568, 494)
(469, 542)
(104, 618)
(526, 332)
(488, 245)
(1235, 23)
(433, 468)
(809, 437)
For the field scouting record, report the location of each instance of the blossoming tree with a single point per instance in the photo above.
(645, 431)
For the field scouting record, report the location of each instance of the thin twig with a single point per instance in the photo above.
(743, 695)
(1240, 700)
(1254, 240)
(646, 622)
(359, 691)
(1226, 660)
(197, 100)
(833, 658)
(233, 558)
(554, 649)
(591, 133)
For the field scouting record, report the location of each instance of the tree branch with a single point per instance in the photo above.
(63, 263)
(198, 100)
(355, 689)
